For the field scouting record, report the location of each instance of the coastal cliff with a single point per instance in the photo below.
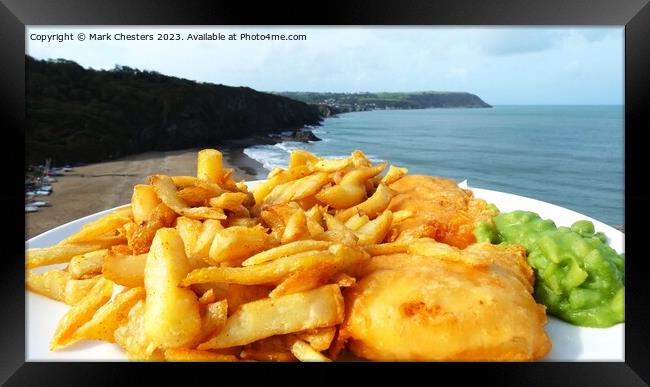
(334, 103)
(85, 115)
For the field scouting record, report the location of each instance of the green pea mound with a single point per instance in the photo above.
(579, 278)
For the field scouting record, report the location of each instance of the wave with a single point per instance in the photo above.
(269, 156)
(277, 155)
(288, 146)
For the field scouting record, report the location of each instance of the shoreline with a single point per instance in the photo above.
(95, 187)
(235, 157)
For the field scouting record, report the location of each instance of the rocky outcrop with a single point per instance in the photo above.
(83, 115)
(304, 135)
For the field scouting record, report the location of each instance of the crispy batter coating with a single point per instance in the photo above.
(456, 305)
(440, 210)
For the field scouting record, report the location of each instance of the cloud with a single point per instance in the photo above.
(502, 65)
(513, 41)
(595, 35)
(517, 41)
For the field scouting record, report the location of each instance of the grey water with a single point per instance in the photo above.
(571, 156)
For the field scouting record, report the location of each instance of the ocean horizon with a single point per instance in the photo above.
(568, 155)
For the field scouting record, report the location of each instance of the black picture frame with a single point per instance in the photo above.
(16, 14)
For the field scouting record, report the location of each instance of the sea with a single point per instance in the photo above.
(571, 156)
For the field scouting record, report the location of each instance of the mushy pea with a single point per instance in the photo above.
(579, 277)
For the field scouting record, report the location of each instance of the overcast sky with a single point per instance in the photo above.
(551, 66)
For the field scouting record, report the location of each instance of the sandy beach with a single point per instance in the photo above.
(96, 187)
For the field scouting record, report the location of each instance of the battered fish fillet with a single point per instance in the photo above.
(441, 210)
(436, 303)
